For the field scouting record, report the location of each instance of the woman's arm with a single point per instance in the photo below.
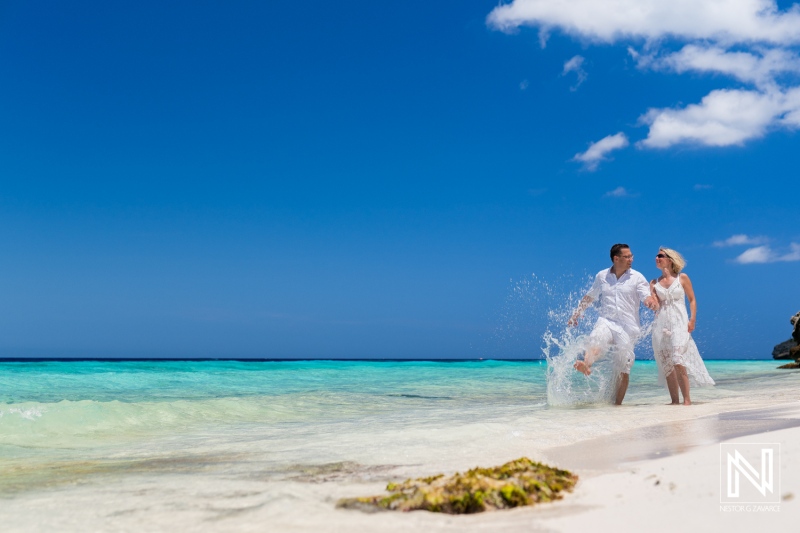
(686, 283)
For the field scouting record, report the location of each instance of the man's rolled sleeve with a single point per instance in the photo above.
(597, 286)
(643, 288)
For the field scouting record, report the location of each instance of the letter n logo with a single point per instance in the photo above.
(737, 464)
(748, 472)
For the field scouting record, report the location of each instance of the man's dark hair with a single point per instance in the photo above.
(617, 250)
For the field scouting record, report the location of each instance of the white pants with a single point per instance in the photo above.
(607, 335)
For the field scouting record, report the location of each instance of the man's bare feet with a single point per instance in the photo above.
(582, 367)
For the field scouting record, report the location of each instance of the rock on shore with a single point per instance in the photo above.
(781, 351)
(795, 320)
(790, 349)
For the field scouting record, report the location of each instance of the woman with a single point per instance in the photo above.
(675, 352)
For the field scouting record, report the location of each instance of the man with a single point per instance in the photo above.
(620, 289)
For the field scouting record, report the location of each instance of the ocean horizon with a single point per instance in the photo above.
(296, 359)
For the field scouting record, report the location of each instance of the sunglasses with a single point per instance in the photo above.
(661, 256)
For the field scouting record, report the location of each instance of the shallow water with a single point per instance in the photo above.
(144, 435)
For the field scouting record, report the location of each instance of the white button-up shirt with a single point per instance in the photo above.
(620, 297)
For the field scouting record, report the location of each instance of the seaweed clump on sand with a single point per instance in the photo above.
(514, 484)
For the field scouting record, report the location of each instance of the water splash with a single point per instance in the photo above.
(563, 346)
(538, 309)
(566, 387)
(529, 311)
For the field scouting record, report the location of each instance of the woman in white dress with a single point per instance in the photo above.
(675, 352)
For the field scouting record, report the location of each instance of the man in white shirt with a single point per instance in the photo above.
(620, 289)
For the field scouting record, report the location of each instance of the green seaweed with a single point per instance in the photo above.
(514, 484)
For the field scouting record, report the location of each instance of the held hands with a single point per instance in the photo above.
(651, 303)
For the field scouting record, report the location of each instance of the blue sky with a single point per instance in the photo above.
(367, 180)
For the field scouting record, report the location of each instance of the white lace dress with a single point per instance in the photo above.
(672, 342)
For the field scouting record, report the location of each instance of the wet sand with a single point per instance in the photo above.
(670, 438)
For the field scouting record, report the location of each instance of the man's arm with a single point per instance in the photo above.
(586, 301)
(576, 316)
(646, 294)
(653, 291)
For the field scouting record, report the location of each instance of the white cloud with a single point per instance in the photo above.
(597, 152)
(723, 118)
(643, 61)
(749, 41)
(790, 117)
(760, 254)
(575, 65)
(740, 240)
(728, 21)
(619, 192)
(794, 253)
(759, 67)
(765, 254)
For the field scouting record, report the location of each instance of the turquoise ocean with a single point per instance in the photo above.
(138, 443)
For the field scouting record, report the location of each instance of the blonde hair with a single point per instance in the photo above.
(678, 262)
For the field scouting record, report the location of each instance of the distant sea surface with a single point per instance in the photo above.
(155, 440)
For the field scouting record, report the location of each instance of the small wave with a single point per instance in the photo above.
(420, 396)
(90, 423)
(28, 414)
